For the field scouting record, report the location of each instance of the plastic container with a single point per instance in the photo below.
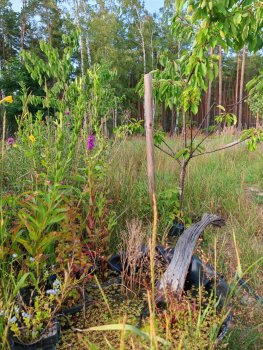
(177, 229)
(48, 340)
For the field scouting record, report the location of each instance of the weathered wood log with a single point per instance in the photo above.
(174, 277)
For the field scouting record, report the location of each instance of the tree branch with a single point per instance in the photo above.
(222, 148)
(169, 154)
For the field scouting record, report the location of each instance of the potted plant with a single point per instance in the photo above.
(33, 322)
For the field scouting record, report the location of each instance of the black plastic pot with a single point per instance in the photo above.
(28, 295)
(177, 229)
(72, 310)
(196, 274)
(48, 340)
(75, 309)
(115, 261)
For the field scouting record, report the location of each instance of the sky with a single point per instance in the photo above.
(151, 5)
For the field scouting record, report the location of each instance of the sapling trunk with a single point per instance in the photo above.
(183, 166)
(237, 86)
(182, 184)
(240, 116)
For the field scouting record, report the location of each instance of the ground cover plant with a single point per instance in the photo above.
(82, 246)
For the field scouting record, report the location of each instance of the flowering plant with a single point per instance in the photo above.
(7, 99)
(34, 231)
(34, 312)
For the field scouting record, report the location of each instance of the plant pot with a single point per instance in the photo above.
(76, 308)
(115, 261)
(48, 340)
(177, 229)
(28, 295)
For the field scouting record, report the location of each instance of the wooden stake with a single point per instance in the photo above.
(148, 112)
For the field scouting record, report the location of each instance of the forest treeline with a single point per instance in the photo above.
(124, 37)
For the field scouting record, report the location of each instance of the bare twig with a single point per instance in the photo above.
(222, 148)
(170, 148)
(169, 154)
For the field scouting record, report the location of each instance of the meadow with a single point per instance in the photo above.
(114, 189)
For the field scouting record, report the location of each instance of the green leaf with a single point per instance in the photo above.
(203, 69)
(210, 74)
(219, 119)
(181, 153)
(222, 34)
(221, 107)
(22, 282)
(234, 117)
(158, 137)
(237, 18)
(194, 108)
(26, 245)
(127, 327)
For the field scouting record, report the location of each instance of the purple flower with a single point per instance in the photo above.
(67, 112)
(10, 141)
(68, 124)
(91, 142)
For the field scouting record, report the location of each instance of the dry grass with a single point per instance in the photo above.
(131, 243)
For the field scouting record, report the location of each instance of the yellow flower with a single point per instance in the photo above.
(7, 99)
(32, 138)
(15, 145)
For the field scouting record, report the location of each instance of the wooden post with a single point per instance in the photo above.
(148, 112)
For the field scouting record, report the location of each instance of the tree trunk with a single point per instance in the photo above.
(140, 29)
(182, 183)
(237, 85)
(163, 117)
(148, 112)
(208, 101)
(115, 112)
(220, 75)
(257, 121)
(87, 33)
(23, 29)
(49, 26)
(174, 277)
(183, 166)
(173, 121)
(76, 9)
(240, 112)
